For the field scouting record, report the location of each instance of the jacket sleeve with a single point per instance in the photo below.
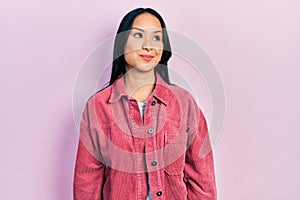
(199, 165)
(89, 171)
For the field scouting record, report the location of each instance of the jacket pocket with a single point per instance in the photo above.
(174, 153)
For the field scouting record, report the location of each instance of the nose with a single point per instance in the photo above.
(147, 44)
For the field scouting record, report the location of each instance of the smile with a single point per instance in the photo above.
(146, 57)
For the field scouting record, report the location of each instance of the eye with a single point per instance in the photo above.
(138, 35)
(156, 38)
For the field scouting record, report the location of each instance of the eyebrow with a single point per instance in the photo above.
(144, 30)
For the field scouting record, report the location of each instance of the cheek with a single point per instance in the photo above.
(159, 54)
(132, 46)
(130, 58)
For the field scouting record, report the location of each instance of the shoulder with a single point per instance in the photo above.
(187, 102)
(101, 96)
(181, 93)
(97, 105)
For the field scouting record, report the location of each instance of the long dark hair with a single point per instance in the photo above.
(119, 63)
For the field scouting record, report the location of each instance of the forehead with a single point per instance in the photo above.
(146, 20)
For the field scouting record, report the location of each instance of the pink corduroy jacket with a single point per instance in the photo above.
(118, 152)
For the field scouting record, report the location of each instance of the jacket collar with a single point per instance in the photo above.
(160, 92)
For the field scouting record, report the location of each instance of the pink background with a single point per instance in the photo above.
(253, 44)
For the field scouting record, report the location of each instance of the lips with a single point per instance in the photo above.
(146, 57)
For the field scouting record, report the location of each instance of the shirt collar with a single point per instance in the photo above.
(160, 92)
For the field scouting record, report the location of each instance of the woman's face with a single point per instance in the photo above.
(144, 46)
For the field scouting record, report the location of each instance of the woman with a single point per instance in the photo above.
(141, 137)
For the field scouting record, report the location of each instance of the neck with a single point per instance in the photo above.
(139, 85)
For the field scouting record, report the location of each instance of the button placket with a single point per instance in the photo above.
(153, 160)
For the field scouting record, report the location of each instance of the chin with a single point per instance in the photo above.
(144, 67)
(147, 67)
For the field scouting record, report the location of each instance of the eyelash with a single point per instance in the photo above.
(139, 35)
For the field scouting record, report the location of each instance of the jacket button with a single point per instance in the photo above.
(159, 193)
(153, 103)
(153, 163)
(150, 130)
